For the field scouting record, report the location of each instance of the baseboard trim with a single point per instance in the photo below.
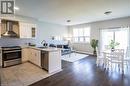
(82, 52)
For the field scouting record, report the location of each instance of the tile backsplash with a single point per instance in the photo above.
(15, 41)
(4, 42)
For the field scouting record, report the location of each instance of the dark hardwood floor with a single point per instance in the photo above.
(85, 73)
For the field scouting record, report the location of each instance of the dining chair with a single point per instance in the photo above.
(115, 58)
(100, 58)
(119, 50)
(127, 58)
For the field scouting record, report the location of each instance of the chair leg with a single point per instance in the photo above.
(104, 63)
(119, 67)
(111, 66)
(122, 66)
(97, 63)
(107, 65)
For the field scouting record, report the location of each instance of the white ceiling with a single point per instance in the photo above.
(78, 11)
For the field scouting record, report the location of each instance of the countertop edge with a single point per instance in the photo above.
(46, 49)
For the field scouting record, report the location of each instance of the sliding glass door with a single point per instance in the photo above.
(120, 35)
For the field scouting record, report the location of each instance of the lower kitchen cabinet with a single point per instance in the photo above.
(54, 61)
(48, 60)
(25, 54)
(35, 57)
(32, 55)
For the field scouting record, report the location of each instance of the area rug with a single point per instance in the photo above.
(73, 57)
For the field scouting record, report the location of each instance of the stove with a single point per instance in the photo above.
(11, 48)
(11, 55)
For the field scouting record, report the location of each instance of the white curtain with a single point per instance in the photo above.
(119, 34)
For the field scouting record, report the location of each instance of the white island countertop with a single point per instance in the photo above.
(49, 49)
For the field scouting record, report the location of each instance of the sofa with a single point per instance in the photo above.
(65, 49)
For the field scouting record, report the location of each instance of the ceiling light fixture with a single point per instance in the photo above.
(16, 8)
(68, 21)
(108, 12)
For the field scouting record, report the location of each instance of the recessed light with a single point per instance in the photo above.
(16, 8)
(68, 21)
(108, 12)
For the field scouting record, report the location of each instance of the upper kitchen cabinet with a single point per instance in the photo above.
(27, 30)
(16, 29)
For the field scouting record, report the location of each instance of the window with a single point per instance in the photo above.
(120, 35)
(58, 38)
(81, 34)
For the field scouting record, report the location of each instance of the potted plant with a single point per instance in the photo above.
(94, 44)
(113, 44)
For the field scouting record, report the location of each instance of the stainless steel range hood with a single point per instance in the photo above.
(9, 30)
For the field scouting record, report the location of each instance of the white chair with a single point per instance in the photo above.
(127, 58)
(100, 58)
(119, 50)
(115, 58)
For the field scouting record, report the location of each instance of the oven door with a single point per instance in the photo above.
(10, 58)
(10, 55)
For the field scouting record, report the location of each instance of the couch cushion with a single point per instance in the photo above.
(66, 46)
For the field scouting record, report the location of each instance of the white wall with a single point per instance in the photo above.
(95, 31)
(46, 30)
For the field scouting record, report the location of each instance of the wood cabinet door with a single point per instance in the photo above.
(28, 31)
(25, 56)
(25, 30)
(37, 57)
(31, 55)
(54, 61)
(33, 30)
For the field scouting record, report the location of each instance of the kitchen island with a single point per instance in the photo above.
(45, 58)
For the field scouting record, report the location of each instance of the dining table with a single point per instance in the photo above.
(105, 55)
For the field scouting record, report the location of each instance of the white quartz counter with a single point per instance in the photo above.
(49, 49)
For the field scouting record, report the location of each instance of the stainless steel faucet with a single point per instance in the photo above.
(44, 43)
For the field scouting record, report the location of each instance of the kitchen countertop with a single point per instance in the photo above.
(49, 49)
